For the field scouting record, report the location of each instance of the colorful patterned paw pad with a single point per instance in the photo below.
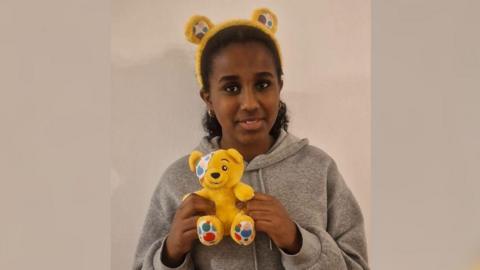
(207, 233)
(244, 233)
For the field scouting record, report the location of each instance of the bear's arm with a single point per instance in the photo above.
(243, 192)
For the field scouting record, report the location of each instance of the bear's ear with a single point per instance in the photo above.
(266, 17)
(196, 28)
(235, 155)
(193, 159)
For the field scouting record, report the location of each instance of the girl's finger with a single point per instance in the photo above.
(260, 215)
(190, 235)
(262, 196)
(190, 223)
(264, 226)
(254, 205)
(194, 205)
(240, 205)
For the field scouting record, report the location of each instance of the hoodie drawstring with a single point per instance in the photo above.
(255, 263)
(264, 190)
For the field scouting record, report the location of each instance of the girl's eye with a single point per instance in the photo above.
(224, 168)
(263, 85)
(232, 88)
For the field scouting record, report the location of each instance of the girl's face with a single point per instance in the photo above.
(244, 93)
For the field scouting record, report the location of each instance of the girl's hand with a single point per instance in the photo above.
(183, 231)
(271, 218)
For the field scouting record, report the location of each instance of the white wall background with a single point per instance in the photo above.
(156, 109)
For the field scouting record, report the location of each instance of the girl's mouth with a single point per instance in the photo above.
(251, 124)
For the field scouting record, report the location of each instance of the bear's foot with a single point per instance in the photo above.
(243, 229)
(210, 230)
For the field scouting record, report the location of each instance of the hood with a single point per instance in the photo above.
(286, 145)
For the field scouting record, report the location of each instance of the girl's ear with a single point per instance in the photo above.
(206, 98)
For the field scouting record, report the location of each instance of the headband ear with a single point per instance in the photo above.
(267, 18)
(196, 28)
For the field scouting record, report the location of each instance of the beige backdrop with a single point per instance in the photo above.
(156, 108)
(426, 135)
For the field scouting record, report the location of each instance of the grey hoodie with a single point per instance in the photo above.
(307, 182)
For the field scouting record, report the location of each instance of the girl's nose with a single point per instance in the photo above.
(249, 100)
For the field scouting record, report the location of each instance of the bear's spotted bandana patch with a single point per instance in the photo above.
(202, 165)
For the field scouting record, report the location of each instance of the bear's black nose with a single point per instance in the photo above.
(215, 175)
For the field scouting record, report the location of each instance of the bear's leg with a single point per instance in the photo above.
(243, 229)
(210, 230)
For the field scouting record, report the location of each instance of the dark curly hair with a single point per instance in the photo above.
(225, 37)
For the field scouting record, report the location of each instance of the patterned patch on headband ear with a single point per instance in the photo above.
(202, 165)
(196, 28)
(267, 18)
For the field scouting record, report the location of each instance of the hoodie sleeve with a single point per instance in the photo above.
(155, 229)
(342, 245)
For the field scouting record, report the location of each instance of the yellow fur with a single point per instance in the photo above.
(212, 29)
(221, 184)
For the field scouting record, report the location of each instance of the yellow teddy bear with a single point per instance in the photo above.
(219, 173)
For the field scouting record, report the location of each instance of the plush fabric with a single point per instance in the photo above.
(219, 173)
(200, 29)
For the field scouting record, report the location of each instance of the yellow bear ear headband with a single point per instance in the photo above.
(199, 30)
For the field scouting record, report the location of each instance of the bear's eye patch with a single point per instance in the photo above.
(224, 168)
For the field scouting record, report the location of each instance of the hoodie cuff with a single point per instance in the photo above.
(309, 251)
(159, 265)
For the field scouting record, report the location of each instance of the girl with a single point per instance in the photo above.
(305, 216)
